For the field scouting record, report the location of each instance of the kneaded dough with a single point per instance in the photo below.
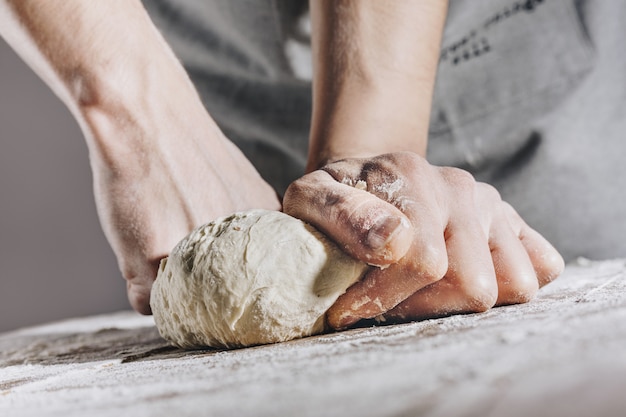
(247, 279)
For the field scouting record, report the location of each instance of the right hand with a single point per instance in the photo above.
(446, 243)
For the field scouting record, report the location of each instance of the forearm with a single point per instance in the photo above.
(107, 63)
(374, 72)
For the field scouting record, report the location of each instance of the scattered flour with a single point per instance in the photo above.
(554, 356)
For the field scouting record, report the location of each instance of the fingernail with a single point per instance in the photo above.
(383, 231)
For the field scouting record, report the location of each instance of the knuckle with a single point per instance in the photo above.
(292, 198)
(296, 191)
(302, 193)
(411, 163)
(295, 188)
(522, 296)
(392, 165)
(407, 158)
(378, 172)
(432, 263)
(512, 217)
(488, 192)
(510, 212)
(521, 290)
(551, 268)
(481, 294)
(458, 179)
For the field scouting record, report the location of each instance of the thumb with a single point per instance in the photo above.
(364, 226)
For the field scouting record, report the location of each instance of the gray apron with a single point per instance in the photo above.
(530, 97)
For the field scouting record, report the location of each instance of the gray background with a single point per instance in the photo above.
(54, 259)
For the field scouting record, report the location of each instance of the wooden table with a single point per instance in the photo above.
(564, 354)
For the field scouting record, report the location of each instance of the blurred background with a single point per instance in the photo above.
(54, 259)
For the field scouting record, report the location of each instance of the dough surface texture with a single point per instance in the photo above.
(251, 278)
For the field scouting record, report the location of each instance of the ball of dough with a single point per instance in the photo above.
(251, 278)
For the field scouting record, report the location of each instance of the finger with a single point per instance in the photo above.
(383, 289)
(380, 291)
(139, 284)
(139, 297)
(469, 285)
(366, 227)
(546, 260)
(515, 274)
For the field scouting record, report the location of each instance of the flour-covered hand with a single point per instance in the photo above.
(442, 243)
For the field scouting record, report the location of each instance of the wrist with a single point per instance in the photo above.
(375, 66)
(368, 120)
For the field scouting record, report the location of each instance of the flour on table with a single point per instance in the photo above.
(251, 278)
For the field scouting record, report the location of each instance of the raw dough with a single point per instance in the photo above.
(251, 278)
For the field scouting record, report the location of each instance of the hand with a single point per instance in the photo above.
(161, 166)
(445, 243)
(178, 176)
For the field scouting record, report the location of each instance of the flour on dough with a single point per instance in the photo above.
(251, 278)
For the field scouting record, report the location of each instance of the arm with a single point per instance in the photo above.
(447, 243)
(161, 165)
(374, 72)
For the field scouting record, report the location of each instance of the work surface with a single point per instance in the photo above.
(564, 354)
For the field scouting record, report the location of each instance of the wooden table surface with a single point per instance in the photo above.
(564, 354)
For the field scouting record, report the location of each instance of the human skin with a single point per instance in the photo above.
(447, 243)
(161, 165)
